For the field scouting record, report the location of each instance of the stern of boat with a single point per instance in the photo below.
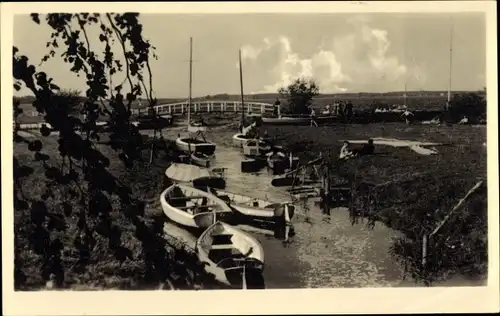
(207, 149)
(250, 277)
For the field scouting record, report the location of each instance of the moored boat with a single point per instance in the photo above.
(196, 141)
(286, 120)
(231, 255)
(201, 159)
(255, 148)
(255, 208)
(192, 207)
(239, 139)
(196, 176)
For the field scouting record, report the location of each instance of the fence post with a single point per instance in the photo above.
(425, 240)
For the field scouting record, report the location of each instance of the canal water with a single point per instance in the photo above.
(326, 251)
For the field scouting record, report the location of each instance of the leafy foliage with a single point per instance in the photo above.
(73, 219)
(299, 95)
(471, 105)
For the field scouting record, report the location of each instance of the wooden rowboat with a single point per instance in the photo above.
(192, 207)
(255, 208)
(201, 159)
(192, 144)
(231, 255)
(255, 147)
(239, 139)
(196, 176)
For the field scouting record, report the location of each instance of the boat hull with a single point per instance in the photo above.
(239, 140)
(189, 145)
(194, 175)
(253, 208)
(201, 160)
(229, 269)
(200, 220)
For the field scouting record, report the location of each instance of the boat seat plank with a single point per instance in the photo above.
(186, 197)
(195, 206)
(221, 247)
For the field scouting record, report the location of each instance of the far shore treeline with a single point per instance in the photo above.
(418, 99)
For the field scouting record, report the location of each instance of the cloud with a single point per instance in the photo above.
(358, 60)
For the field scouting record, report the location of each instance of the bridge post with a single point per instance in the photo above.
(208, 106)
(223, 106)
(182, 109)
(262, 109)
(235, 107)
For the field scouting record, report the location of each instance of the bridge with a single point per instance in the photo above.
(179, 109)
(208, 106)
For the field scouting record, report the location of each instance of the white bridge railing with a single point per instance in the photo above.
(207, 107)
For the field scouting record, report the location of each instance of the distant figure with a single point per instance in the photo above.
(275, 107)
(407, 114)
(464, 120)
(447, 106)
(336, 108)
(367, 149)
(313, 118)
(348, 111)
(341, 109)
(327, 110)
(345, 151)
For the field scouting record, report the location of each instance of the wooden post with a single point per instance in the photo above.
(424, 250)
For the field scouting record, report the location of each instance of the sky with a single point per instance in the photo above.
(343, 52)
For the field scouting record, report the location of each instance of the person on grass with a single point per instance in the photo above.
(345, 151)
(407, 116)
(313, 118)
(367, 149)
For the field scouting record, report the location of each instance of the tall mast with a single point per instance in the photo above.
(190, 77)
(451, 56)
(241, 90)
(406, 83)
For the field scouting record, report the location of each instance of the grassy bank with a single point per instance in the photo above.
(410, 192)
(118, 251)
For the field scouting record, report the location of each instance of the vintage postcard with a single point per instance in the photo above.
(249, 157)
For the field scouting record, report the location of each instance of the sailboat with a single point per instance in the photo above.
(195, 142)
(239, 139)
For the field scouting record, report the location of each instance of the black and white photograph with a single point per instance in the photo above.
(168, 148)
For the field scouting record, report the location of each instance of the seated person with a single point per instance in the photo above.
(345, 151)
(367, 149)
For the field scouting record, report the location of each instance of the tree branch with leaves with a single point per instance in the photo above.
(79, 193)
(299, 95)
